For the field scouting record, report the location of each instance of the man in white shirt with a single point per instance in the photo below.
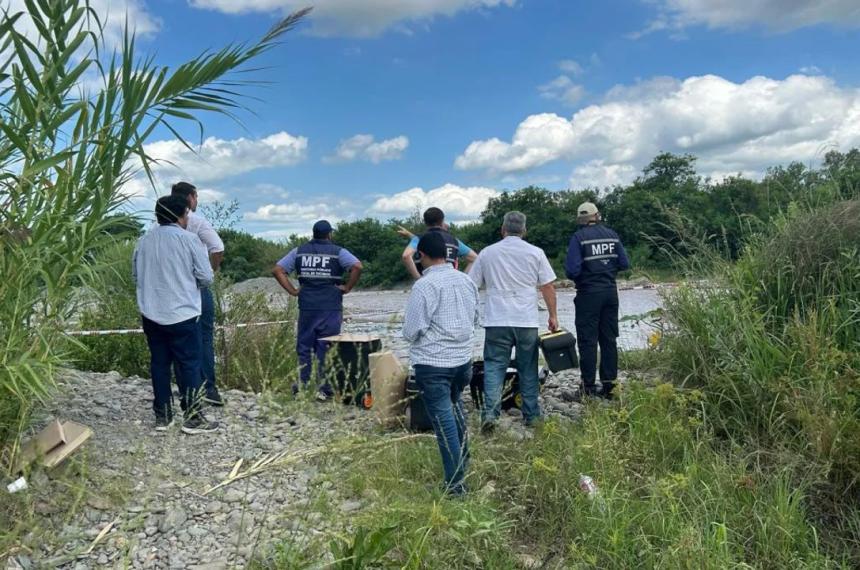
(200, 226)
(512, 271)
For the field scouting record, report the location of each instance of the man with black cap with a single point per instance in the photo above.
(320, 266)
(439, 325)
(594, 257)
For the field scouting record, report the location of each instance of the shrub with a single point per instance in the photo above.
(261, 358)
(772, 343)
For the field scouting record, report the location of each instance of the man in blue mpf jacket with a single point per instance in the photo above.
(594, 257)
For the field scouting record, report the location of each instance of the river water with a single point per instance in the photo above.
(381, 313)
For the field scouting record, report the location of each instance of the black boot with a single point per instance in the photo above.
(606, 390)
(589, 390)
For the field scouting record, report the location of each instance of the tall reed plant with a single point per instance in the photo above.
(65, 153)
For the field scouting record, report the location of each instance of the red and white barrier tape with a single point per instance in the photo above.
(140, 331)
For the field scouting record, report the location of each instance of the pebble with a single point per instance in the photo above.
(350, 506)
(234, 496)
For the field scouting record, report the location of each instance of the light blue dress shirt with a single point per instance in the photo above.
(440, 319)
(169, 266)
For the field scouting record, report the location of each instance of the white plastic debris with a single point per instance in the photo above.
(17, 485)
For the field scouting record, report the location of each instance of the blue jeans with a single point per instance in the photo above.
(497, 357)
(314, 325)
(441, 389)
(178, 345)
(207, 333)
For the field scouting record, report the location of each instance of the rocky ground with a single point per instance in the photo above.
(151, 487)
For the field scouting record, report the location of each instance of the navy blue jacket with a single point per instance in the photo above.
(594, 257)
(320, 272)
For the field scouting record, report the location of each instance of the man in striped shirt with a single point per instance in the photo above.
(594, 257)
(439, 324)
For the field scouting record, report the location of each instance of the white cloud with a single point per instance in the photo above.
(296, 217)
(811, 70)
(365, 18)
(777, 15)
(570, 66)
(364, 147)
(112, 13)
(209, 195)
(598, 174)
(458, 202)
(563, 89)
(219, 158)
(293, 213)
(730, 126)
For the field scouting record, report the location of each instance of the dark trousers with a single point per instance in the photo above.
(177, 344)
(207, 333)
(441, 389)
(207, 336)
(597, 324)
(314, 325)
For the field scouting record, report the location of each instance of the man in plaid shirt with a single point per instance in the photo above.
(440, 320)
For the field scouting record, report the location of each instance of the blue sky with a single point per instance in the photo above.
(379, 107)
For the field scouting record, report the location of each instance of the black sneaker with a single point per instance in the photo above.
(214, 399)
(198, 424)
(163, 423)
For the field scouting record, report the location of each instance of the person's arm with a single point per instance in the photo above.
(404, 232)
(408, 258)
(134, 265)
(215, 259)
(468, 253)
(201, 267)
(549, 297)
(416, 320)
(282, 271)
(573, 262)
(354, 274)
(210, 238)
(476, 273)
(351, 263)
(546, 278)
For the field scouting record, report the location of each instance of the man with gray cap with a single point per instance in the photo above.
(320, 265)
(513, 271)
(594, 257)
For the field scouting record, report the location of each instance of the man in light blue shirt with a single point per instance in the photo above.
(439, 324)
(169, 266)
(434, 219)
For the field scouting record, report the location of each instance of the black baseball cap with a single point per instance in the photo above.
(432, 244)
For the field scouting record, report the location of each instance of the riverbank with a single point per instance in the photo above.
(149, 489)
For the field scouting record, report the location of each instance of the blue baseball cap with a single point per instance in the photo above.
(322, 227)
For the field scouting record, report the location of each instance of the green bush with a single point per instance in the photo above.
(261, 358)
(670, 496)
(772, 343)
(112, 305)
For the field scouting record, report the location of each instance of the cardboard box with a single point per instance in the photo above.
(387, 386)
(53, 444)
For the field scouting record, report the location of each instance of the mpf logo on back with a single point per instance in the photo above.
(315, 261)
(602, 248)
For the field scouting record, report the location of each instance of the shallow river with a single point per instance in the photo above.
(381, 312)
